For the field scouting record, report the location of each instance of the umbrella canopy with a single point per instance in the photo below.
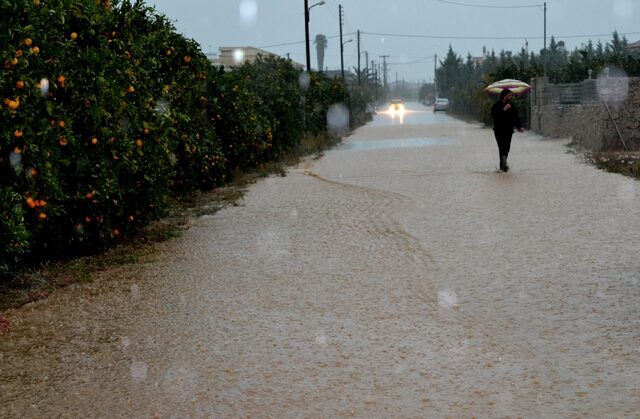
(516, 86)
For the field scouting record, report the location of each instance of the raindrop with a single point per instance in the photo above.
(447, 299)
(613, 85)
(321, 339)
(238, 56)
(304, 80)
(248, 12)
(15, 160)
(338, 119)
(138, 371)
(44, 87)
(162, 107)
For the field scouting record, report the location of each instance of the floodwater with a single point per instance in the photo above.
(375, 282)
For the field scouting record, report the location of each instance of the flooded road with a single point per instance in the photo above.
(401, 275)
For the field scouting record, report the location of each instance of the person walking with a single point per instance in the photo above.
(505, 119)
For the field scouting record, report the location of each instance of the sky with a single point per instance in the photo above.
(410, 32)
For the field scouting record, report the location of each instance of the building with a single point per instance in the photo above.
(633, 47)
(236, 56)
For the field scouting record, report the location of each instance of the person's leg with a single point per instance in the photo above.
(504, 142)
(506, 147)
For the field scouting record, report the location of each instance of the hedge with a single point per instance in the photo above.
(107, 112)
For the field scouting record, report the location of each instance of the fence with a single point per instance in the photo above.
(597, 114)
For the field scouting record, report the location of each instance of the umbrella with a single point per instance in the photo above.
(516, 86)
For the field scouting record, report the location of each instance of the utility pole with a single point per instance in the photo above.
(545, 25)
(435, 78)
(341, 43)
(375, 79)
(306, 34)
(384, 71)
(544, 50)
(359, 75)
(366, 64)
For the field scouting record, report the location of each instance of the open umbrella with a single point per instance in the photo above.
(516, 86)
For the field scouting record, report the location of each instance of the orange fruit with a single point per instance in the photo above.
(40, 203)
(27, 42)
(146, 131)
(14, 61)
(14, 104)
(139, 143)
(74, 36)
(63, 141)
(61, 80)
(17, 133)
(187, 59)
(19, 53)
(34, 172)
(131, 218)
(131, 89)
(94, 141)
(6, 101)
(30, 202)
(42, 216)
(19, 84)
(35, 50)
(116, 232)
(61, 124)
(17, 150)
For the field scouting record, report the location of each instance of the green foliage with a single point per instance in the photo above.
(463, 82)
(107, 112)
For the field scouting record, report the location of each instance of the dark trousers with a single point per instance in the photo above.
(503, 138)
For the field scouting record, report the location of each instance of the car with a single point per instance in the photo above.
(441, 104)
(396, 105)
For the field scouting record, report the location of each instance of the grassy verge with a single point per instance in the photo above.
(35, 284)
(623, 162)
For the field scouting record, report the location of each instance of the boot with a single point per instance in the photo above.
(503, 163)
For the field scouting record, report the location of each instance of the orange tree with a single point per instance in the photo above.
(320, 92)
(106, 112)
(99, 109)
(277, 83)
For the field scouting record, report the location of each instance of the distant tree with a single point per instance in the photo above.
(321, 46)
(448, 74)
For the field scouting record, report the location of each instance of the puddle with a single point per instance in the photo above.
(387, 144)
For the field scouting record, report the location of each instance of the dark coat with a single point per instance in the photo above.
(505, 121)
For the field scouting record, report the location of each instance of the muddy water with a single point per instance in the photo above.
(401, 276)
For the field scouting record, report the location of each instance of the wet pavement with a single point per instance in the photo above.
(401, 275)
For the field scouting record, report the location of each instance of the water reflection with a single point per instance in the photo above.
(389, 144)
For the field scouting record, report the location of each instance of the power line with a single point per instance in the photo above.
(490, 6)
(490, 37)
(299, 42)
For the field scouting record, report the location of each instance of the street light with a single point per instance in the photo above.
(342, 56)
(306, 28)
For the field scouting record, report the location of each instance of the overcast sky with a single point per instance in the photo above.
(410, 32)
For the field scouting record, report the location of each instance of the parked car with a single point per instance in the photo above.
(441, 104)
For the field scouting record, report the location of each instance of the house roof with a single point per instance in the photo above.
(633, 45)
